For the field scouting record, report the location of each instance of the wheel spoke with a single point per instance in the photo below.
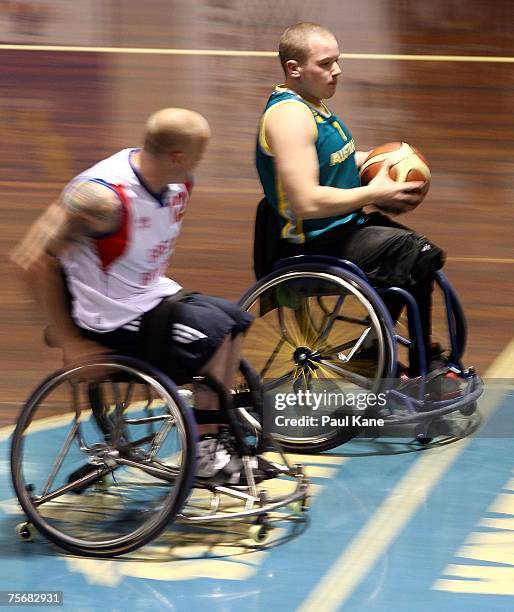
(355, 347)
(272, 357)
(321, 333)
(357, 379)
(111, 492)
(332, 318)
(59, 461)
(279, 381)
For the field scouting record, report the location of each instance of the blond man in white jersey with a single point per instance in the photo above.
(105, 245)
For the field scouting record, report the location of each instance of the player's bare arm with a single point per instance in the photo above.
(85, 210)
(297, 166)
(88, 209)
(92, 209)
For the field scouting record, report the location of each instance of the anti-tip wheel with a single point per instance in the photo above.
(259, 533)
(469, 409)
(104, 483)
(26, 531)
(424, 433)
(423, 438)
(300, 506)
(306, 504)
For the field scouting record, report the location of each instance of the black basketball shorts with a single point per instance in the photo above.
(180, 335)
(389, 253)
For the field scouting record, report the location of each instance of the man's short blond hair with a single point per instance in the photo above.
(294, 42)
(172, 129)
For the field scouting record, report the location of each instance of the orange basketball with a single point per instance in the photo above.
(409, 164)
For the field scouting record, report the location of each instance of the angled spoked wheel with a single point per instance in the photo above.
(324, 331)
(103, 456)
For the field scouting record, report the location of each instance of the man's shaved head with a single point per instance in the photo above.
(173, 129)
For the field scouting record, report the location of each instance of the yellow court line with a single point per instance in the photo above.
(396, 510)
(429, 58)
(138, 50)
(243, 53)
(503, 365)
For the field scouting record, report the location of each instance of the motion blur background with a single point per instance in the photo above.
(62, 110)
(439, 75)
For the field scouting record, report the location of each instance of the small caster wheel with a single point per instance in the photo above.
(259, 533)
(296, 507)
(25, 531)
(306, 504)
(300, 506)
(469, 409)
(424, 433)
(103, 484)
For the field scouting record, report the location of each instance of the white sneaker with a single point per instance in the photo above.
(212, 456)
(219, 462)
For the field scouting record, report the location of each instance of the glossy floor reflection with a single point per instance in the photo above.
(447, 543)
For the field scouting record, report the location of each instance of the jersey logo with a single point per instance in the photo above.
(177, 203)
(144, 223)
(343, 154)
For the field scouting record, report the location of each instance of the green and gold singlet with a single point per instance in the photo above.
(337, 168)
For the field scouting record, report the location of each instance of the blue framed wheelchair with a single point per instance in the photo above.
(103, 460)
(321, 331)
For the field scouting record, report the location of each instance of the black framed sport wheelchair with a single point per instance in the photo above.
(103, 460)
(327, 351)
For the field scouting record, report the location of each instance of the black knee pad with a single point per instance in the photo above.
(430, 259)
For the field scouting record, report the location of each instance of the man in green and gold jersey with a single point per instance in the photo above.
(309, 169)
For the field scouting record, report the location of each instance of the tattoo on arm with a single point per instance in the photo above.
(93, 209)
(86, 210)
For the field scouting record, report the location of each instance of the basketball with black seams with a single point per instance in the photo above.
(408, 163)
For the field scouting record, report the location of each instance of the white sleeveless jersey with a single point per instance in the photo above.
(115, 279)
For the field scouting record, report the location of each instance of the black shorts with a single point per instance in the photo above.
(180, 335)
(389, 253)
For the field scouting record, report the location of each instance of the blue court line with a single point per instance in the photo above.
(431, 540)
